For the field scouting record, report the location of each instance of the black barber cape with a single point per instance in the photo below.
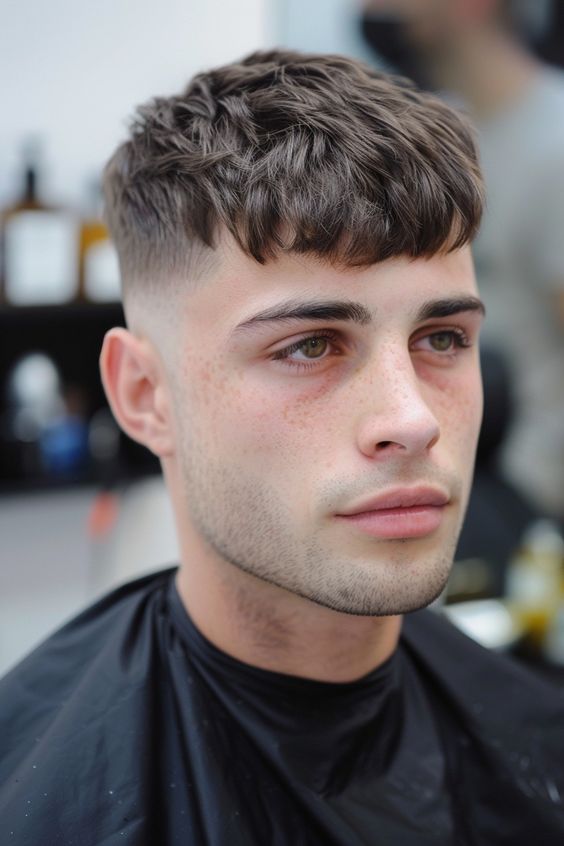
(128, 727)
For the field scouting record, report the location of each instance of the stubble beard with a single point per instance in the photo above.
(247, 526)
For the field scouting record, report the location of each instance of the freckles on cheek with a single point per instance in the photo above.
(312, 405)
(282, 419)
(211, 385)
(460, 407)
(265, 415)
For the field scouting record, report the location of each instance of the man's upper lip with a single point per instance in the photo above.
(398, 498)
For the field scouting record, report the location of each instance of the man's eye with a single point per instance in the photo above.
(443, 341)
(307, 349)
(313, 347)
(446, 341)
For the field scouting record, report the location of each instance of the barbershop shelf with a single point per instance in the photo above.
(71, 336)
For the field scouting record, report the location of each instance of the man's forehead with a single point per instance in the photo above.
(246, 293)
(227, 260)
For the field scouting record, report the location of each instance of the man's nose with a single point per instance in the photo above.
(397, 420)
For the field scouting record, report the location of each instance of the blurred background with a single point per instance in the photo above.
(83, 508)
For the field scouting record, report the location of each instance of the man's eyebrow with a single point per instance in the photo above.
(310, 310)
(449, 306)
(352, 311)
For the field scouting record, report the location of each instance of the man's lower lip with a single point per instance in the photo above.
(395, 523)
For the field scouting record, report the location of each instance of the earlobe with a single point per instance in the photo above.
(136, 389)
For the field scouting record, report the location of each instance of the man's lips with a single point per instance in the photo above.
(398, 513)
(399, 498)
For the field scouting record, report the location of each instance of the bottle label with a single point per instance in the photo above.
(101, 273)
(529, 586)
(41, 257)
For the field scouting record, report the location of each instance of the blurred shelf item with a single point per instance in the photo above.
(98, 271)
(553, 646)
(528, 619)
(64, 435)
(470, 579)
(535, 583)
(487, 621)
(494, 625)
(39, 242)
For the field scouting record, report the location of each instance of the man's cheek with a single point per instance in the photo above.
(458, 406)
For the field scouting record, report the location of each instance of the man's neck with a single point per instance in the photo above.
(271, 628)
(488, 69)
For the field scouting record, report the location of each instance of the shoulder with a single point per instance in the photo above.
(77, 719)
(81, 668)
(82, 636)
(502, 729)
(475, 679)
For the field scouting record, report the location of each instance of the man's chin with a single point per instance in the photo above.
(366, 605)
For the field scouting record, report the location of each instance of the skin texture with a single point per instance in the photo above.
(264, 444)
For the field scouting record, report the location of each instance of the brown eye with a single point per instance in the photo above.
(314, 347)
(309, 351)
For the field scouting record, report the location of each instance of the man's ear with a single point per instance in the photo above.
(137, 391)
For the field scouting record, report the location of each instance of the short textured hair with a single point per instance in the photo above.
(311, 154)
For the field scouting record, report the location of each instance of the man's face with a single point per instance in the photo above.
(326, 423)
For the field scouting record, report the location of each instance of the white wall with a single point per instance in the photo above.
(321, 26)
(72, 71)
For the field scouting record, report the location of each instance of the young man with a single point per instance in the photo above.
(301, 354)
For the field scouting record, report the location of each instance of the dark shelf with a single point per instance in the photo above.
(78, 307)
(71, 336)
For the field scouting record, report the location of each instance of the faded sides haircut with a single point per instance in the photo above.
(288, 152)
